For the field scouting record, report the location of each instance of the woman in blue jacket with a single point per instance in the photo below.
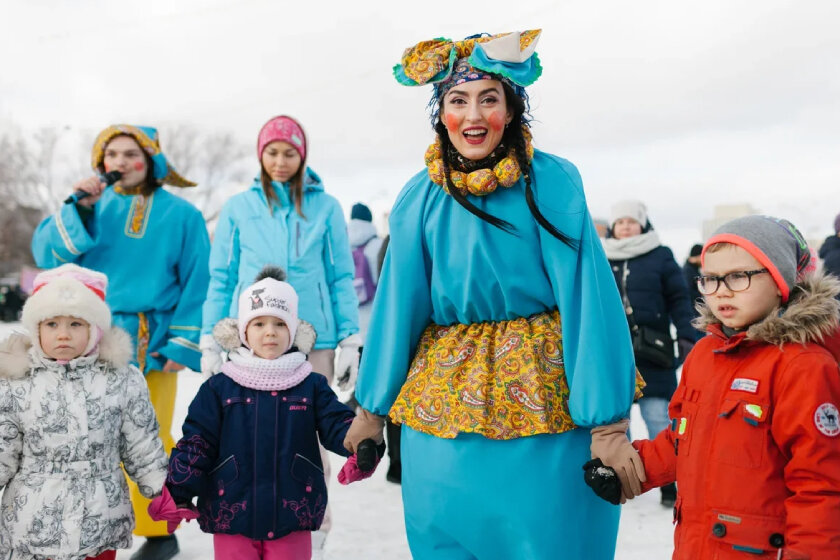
(492, 246)
(286, 219)
(653, 287)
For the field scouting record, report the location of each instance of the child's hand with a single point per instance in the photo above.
(363, 463)
(163, 508)
(603, 481)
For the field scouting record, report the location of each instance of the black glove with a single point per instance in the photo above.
(368, 454)
(603, 481)
(684, 346)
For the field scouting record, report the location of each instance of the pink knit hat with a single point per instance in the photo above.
(285, 129)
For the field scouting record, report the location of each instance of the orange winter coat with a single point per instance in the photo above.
(754, 443)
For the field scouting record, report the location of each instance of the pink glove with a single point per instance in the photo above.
(163, 508)
(371, 455)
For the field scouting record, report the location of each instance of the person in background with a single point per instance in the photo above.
(287, 218)
(72, 409)
(655, 296)
(602, 226)
(153, 246)
(365, 244)
(830, 250)
(691, 270)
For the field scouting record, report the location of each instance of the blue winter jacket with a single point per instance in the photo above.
(252, 456)
(658, 294)
(314, 252)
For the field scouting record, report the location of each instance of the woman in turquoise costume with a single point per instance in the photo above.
(497, 339)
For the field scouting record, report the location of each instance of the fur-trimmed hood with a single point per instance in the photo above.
(811, 315)
(16, 358)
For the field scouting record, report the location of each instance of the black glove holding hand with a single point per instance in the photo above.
(368, 455)
(603, 481)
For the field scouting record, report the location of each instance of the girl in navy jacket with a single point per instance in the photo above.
(250, 444)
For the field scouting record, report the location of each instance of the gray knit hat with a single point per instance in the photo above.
(773, 242)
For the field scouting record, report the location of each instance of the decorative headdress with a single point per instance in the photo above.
(147, 138)
(507, 57)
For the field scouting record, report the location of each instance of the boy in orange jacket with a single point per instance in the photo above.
(754, 442)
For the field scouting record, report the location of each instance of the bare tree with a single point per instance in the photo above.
(210, 160)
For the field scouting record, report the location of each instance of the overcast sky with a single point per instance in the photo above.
(681, 104)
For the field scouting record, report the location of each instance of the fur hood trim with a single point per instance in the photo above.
(115, 349)
(226, 333)
(811, 315)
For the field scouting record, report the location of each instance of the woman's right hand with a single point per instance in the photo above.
(93, 185)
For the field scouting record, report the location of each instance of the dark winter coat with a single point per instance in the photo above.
(830, 254)
(252, 456)
(690, 273)
(658, 295)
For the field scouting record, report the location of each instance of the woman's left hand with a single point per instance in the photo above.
(348, 362)
(170, 365)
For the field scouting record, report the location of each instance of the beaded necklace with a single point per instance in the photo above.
(481, 181)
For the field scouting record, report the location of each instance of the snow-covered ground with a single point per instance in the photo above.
(368, 517)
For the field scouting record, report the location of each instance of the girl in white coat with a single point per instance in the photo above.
(71, 410)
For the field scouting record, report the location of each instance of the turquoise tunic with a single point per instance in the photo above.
(446, 266)
(155, 260)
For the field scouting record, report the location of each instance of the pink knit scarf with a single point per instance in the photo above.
(266, 375)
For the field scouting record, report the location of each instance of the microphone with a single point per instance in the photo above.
(109, 179)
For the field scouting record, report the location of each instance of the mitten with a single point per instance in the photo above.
(211, 356)
(362, 464)
(610, 444)
(163, 508)
(348, 362)
(603, 481)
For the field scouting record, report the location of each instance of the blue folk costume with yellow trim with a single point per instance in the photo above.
(153, 249)
(497, 351)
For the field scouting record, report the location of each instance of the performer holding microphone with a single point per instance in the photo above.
(153, 246)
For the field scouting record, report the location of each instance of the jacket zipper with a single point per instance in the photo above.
(323, 309)
(276, 428)
(297, 239)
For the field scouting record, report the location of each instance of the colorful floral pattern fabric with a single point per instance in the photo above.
(503, 380)
(423, 62)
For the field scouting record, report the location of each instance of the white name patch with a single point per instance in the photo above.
(747, 385)
(826, 419)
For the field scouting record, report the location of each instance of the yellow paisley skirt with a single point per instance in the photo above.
(503, 380)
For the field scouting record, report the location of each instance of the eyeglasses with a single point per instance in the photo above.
(735, 281)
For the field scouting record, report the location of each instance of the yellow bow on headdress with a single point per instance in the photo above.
(509, 54)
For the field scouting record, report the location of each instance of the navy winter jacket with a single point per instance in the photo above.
(658, 295)
(252, 456)
(830, 254)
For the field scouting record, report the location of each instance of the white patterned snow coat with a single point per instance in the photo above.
(64, 429)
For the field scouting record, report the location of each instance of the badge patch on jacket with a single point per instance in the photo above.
(742, 384)
(826, 419)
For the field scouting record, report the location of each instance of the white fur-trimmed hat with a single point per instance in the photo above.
(271, 296)
(68, 290)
